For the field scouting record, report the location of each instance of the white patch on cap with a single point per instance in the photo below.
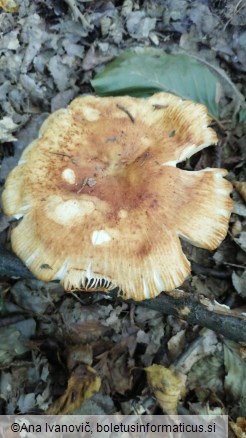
(69, 176)
(122, 214)
(157, 280)
(62, 271)
(183, 236)
(146, 290)
(223, 212)
(25, 207)
(222, 191)
(31, 258)
(170, 163)
(218, 173)
(18, 215)
(175, 278)
(66, 212)
(145, 141)
(89, 271)
(91, 114)
(188, 152)
(99, 237)
(183, 270)
(20, 162)
(23, 210)
(209, 169)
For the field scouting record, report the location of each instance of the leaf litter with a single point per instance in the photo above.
(50, 52)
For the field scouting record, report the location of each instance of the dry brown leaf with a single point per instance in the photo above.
(114, 366)
(239, 428)
(168, 386)
(82, 384)
(87, 331)
(79, 354)
(9, 5)
(241, 188)
(236, 228)
(176, 344)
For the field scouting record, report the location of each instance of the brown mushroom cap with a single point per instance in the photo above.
(102, 203)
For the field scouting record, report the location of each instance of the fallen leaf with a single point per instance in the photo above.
(200, 408)
(206, 376)
(7, 126)
(88, 331)
(9, 5)
(239, 428)
(145, 71)
(239, 209)
(167, 385)
(239, 283)
(241, 188)
(139, 25)
(114, 366)
(242, 115)
(204, 345)
(82, 384)
(235, 380)
(79, 354)
(176, 344)
(241, 241)
(13, 340)
(26, 402)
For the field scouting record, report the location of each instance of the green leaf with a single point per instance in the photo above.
(206, 376)
(146, 71)
(242, 115)
(235, 380)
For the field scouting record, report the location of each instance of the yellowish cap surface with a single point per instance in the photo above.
(102, 202)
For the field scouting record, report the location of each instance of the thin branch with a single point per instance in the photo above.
(196, 310)
(209, 272)
(122, 108)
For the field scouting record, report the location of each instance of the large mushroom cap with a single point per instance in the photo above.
(102, 203)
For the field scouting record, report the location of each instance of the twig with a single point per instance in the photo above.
(78, 16)
(90, 182)
(234, 265)
(209, 272)
(157, 106)
(126, 112)
(83, 184)
(11, 319)
(196, 310)
(236, 11)
(61, 154)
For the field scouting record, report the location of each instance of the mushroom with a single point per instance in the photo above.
(102, 203)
